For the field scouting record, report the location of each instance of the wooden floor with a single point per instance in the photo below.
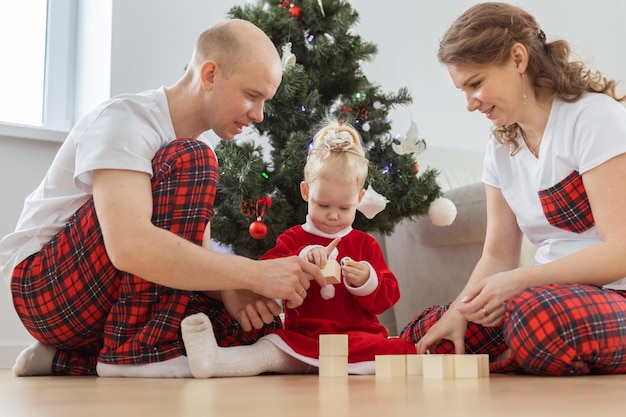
(309, 395)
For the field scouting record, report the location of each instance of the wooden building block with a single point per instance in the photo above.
(471, 366)
(436, 366)
(333, 366)
(332, 272)
(390, 366)
(333, 345)
(467, 366)
(484, 365)
(414, 365)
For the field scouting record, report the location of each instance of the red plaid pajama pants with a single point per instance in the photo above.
(70, 296)
(550, 330)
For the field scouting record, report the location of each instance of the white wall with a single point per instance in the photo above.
(407, 34)
(150, 44)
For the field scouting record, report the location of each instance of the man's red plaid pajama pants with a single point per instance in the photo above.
(550, 330)
(70, 296)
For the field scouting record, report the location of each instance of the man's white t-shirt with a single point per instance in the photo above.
(124, 132)
(578, 137)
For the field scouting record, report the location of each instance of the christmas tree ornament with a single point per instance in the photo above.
(321, 7)
(372, 203)
(410, 144)
(258, 229)
(246, 137)
(363, 111)
(442, 212)
(295, 11)
(247, 208)
(288, 58)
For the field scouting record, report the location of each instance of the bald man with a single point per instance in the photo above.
(111, 250)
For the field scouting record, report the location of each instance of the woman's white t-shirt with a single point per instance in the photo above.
(124, 132)
(578, 137)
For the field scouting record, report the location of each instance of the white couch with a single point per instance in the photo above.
(433, 263)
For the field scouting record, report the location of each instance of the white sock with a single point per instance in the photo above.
(207, 359)
(34, 360)
(200, 344)
(173, 368)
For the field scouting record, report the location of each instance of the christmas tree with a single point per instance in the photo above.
(259, 197)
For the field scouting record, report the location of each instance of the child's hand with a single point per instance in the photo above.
(356, 273)
(319, 256)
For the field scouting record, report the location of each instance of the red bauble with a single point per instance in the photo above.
(417, 168)
(295, 11)
(258, 229)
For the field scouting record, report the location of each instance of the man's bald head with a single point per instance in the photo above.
(232, 44)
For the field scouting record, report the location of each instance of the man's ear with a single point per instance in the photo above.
(361, 195)
(208, 74)
(304, 191)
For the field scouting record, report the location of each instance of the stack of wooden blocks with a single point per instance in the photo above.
(334, 362)
(433, 366)
(333, 355)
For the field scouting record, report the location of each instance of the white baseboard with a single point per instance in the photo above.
(8, 353)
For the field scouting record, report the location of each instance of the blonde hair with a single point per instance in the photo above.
(337, 150)
(485, 34)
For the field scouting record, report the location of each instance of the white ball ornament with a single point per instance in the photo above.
(328, 292)
(442, 212)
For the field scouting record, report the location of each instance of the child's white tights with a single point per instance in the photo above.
(207, 359)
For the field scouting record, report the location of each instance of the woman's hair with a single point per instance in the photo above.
(337, 150)
(485, 34)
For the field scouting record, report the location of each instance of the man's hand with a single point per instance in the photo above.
(249, 309)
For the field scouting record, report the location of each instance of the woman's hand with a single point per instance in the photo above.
(484, 303)
(451, 326)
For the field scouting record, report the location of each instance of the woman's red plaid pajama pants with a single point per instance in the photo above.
(70, 296)
(549, 330)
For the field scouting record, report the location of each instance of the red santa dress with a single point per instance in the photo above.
(352, 311)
